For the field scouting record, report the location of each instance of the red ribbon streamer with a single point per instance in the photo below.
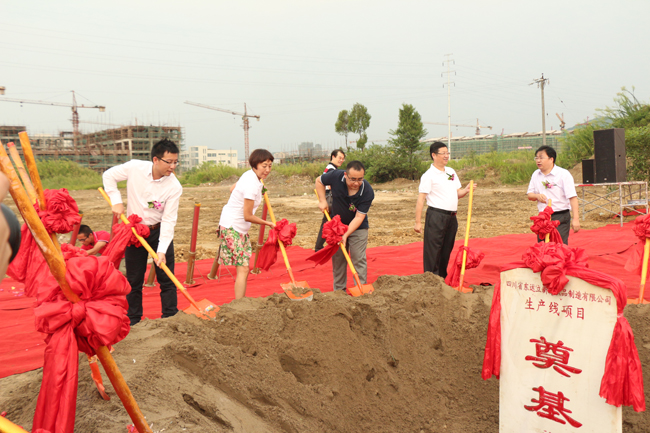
(542, 225)
(642, 231)
(99, 319)
(268, 254)
(622, 382)
(473, 260)
(333, 232)
(123, 237)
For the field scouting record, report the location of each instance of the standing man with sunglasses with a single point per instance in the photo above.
(440, 187)
(153, 193)
(552, 182)
(352, 197)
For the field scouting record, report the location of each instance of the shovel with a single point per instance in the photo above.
(359, 289)
(287, 287)
(204, 308)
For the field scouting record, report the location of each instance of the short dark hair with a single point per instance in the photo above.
(357, 165)
(258, 156)
(550, 152)
(158, 150)
(84, 229)
(336, 152)
(435, 147)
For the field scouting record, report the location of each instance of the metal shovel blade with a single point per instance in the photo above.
(288, 290)
(365, 289)
(208, 309)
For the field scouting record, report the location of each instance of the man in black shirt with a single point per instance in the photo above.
(336, 160)
(351, 199)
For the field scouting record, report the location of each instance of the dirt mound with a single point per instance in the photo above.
(404, 359)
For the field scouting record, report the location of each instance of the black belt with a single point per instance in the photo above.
(446, 212)
(154, 226)
(558, 212)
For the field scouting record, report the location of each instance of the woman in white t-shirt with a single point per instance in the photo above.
(238, 214)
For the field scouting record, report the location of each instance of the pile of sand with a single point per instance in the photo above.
(404, 359)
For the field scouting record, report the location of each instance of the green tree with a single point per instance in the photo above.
(358, 122)
(406, 139)
(341, 126)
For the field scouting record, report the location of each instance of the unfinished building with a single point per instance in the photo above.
(99, 150)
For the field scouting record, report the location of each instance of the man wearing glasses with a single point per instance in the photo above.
(552, 182)
(352, 197)
(153, 193)
(440, 187)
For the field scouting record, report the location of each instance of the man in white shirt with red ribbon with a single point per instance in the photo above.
(552, 182)
(153, 193)
(440, 188)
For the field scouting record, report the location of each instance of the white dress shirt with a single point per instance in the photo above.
(558, 185)
(155, 201)
(248, 187)
(441, 188)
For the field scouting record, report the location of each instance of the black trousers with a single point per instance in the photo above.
(439, 237)
(564, 217)
(136, 267)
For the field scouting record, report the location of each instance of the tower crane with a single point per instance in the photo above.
(75, 113)
(243, 115)
(478, 126)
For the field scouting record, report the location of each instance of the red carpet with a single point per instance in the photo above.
(21, 347)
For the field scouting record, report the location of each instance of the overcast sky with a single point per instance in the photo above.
(298, 63)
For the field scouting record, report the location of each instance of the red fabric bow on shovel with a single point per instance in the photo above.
(473, 260)
(99, 319)
(123, 237)
(29, 266)
(333, 232)
(542, 225)
(268, 254)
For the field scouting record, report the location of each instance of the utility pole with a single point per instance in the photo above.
(541, 82)
(449, 61)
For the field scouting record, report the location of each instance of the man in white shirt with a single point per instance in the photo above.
(552, 182)
(440, 187)
(153, 193)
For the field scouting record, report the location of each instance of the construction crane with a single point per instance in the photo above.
(478, 126)
(74, 106)
(562, 124)
(244, 117)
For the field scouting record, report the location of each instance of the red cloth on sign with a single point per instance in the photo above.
(642, 231)
(99, 319)
(472, 261)
(622, 382)
(268, 254)
(542, 225)
(333, 231)
(62, 213)
(123, 237)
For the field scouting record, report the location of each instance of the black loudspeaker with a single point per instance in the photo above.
(609, 153)
(588, 171)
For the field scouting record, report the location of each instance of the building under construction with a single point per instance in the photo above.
(99, 150)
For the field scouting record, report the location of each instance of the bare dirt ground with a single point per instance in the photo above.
(497, 210)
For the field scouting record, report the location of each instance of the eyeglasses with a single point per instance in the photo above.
(170, 162)
(353, 180)
(539, 158)
(443, 154)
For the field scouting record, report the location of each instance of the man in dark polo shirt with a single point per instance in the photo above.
(351, 199)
